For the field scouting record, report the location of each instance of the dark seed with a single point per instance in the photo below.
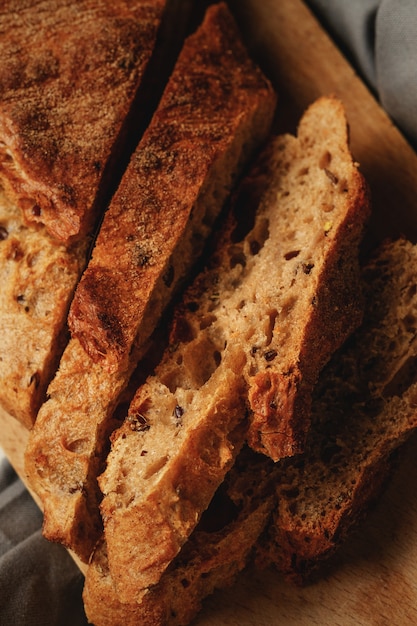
(179, 411)
(331, 176)
(35, 380)
(270, 355)
(307, 267)
(138, 422)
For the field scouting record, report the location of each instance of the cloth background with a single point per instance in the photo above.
(380, 39)
(39, 583)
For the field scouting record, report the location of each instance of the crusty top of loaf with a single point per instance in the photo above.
(215, 96)
(68, 73)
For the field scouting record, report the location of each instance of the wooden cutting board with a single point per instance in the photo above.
(373, 579)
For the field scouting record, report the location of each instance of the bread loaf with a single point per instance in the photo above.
(216, 110)
(72, 104)
(364, 408)
(270, 299)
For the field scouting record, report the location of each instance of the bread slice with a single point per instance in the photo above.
(69, 75)
(364, 408)
(76, 82)
(252, 314)
(216, 110)
(216, 552)
(38, 277)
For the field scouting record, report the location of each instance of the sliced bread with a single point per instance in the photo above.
(38, 277)
(76, 82)
(211, 119)
(289, 282)
(216, 552)
(364, 408)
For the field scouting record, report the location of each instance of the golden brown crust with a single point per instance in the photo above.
(62, 108)
(214, 90)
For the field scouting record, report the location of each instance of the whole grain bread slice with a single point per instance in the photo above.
(216, 552)
(76, 82)
(210, 120)
(270, 299)
(364, 408)
(38, 276)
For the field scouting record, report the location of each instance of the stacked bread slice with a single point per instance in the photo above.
(364, 408)
(216, 110)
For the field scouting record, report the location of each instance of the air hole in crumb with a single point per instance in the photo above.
(155, 467)
(217, 357)
(207, 321)
(270, 331)
(327, 207)
(182, 332)
(303, 171)
(343, 186)
(288, 305)
(237, 258)
(254, 247)
(325, 160)
(291, 255)
(78, 446)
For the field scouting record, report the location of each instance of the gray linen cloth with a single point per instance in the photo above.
(39, 583)
(380, 39)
